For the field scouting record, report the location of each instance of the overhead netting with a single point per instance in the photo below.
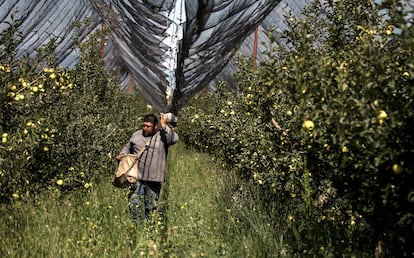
(171, 48)
(174, 48)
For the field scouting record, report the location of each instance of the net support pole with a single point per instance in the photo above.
(256, 34)
(103, 43)
(129, 82)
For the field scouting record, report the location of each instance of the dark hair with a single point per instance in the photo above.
(151, 119)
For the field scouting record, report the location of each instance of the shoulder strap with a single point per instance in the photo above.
(142, 149)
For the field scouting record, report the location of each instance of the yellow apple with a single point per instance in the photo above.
(308, 125)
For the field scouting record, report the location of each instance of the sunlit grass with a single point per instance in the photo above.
(96, 222)
(193, 210)
(205, 211)
(205, 219)
(73, 225)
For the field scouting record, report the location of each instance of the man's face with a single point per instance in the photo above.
(148, 129)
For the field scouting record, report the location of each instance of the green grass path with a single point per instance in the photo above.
(194, 213)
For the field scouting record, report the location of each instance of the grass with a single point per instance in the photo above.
(95, 222)
(205, 218)
(204, 211)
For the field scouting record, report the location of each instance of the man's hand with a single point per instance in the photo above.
(163, 119)
(118, 157)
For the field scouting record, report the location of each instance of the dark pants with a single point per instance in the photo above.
(144, 199)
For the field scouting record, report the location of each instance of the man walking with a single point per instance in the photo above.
(156, 140)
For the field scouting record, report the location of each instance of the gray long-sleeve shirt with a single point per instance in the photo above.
(152, 162)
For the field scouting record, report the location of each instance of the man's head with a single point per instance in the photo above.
(150, 125)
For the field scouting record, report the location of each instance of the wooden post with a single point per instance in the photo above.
(102, 42)
(256, 34)
(129, 83)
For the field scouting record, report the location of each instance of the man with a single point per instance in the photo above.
(152, 163)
